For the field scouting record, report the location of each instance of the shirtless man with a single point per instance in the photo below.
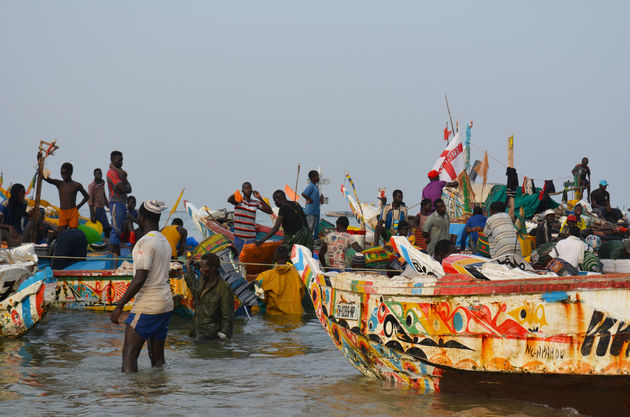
(68, 189)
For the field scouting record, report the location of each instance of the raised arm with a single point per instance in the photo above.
(266, 208)
(232, 200)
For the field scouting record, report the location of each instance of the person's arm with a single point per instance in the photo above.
(377, 231)
(182, 243)
(322, 253)
(136, 284)
(265, 208)
(232, 200)
(452, 184)
(51, 181)
(190, 277)
(356, 247)
(428, 223)
(227, 313)
(85, 196)
(272, 232)
(308, 192)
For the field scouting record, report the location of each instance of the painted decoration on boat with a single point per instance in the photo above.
(417, 331)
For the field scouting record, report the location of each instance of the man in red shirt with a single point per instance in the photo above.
(118, 189)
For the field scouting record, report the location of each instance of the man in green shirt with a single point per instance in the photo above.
(437, 226)
(213, 300)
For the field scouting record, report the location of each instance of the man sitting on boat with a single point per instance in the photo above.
(543, 233)
(433, 190)
(574, 219)
(245, 214)
(213, 300)
(571, 249)
(282, 286)
(437, 226)
(293, 221)
(12, 215)
(501, 233)
(600, 200)
(333, 250)
(392, 213)
(474, 225)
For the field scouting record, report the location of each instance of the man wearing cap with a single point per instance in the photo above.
(153, 304)
(600, 200)
(543, 234)
(433, 190)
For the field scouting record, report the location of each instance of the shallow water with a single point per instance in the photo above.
(70, 365)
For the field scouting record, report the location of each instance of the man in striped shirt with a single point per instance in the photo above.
(501, 232)
(245, 214)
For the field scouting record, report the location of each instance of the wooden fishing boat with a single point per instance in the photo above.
(25, 295)
(562, 341)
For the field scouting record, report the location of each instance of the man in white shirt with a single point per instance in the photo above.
(571, 249)
(153, 304)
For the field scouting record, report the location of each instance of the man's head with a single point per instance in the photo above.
(497, 207)
(578, 210)
(571, 220)
(116, 157)
(403, 228)
(149, 214)
(313, 176)
(282, 255)
(442, 250)
(397, 196)
(433, 175)
(66, 171)
(425, 205)
(177, 222)
(440, 207)
(584, 161)
(279, 197)
(342, 224)
(550, 215)
(209, 264)
(247, 189)
(574, 231)
(131, 203)
(603, 184)
(477, 211)
(17, 193)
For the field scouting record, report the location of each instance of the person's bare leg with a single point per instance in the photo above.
(156, 352)
(131, 349)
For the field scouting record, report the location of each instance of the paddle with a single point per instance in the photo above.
(174, 207)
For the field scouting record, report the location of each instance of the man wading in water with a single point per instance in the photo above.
(153, 304)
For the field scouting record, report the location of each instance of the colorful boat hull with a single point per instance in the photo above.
(22, 310)
(501, 339)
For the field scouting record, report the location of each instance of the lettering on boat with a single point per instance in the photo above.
(599, 330)
(544, 352)
(347, 311)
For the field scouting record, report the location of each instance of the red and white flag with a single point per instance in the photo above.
(452, 160)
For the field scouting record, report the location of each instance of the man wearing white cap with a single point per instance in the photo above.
(153, 302)
(543, 234)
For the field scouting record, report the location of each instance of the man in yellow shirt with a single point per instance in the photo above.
(283, 286)
(176, 235)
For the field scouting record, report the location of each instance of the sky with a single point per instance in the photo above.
(205, 95)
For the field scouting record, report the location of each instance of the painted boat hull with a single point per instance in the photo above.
(20, 311)
(561, 341)
(102, 289)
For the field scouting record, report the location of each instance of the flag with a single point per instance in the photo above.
(452, 160)
(30, 186)
(1, 178)
(447, 133)
(291, 195)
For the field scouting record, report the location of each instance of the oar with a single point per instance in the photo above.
(297, 178)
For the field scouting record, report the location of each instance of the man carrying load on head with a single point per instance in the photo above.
(245, 214)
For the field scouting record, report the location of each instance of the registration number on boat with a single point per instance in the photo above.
(348, 311)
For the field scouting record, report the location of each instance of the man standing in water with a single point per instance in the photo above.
(313, 201)
(153, 303)
(119, 187)
(245, 214)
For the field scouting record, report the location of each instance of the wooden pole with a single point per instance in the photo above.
(45, 149)
(510, 161)
(297, 178)
(449, 115)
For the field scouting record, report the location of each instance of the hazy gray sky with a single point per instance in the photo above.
(205, 95)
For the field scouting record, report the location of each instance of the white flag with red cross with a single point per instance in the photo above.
(452, 160)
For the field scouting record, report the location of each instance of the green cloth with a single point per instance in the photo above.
(91, 235)
(529, 202)
(214, 310)
(591, 263)
(302, 237)
(612, 249)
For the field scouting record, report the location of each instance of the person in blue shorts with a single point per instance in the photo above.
(313, 200)
(153, 304)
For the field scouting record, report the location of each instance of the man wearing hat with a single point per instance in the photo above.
(543, 234)
(433, 190)
(600, 200)
(153, 304)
